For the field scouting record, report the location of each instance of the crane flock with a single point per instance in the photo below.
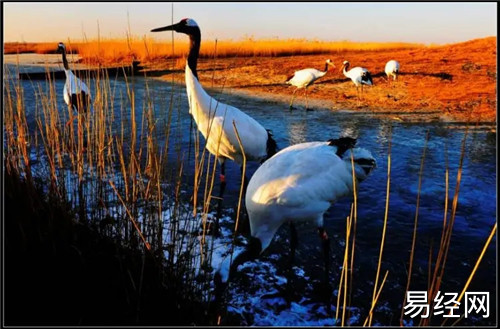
(298, 183)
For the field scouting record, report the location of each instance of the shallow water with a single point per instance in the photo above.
(257, 296)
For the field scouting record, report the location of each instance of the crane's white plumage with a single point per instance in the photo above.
(73, 86)
(392, 69)
(300, 183)
(215, 120)
(304, 78)
(359, 75)
(75, 92)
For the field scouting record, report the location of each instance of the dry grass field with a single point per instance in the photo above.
(455, 82)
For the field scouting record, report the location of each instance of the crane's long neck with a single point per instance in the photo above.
(326, 68)
(346, 66)
(65, 60)
(194, 51)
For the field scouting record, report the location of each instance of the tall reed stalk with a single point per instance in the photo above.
(382, 240)
(415, 225)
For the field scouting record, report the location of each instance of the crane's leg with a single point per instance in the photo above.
(357, 93)
(325, 242)
(222, 188)
(293, 242)
(293, 97)
(307, 101)
(290, 289)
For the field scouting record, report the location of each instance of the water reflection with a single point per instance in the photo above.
(298, 132)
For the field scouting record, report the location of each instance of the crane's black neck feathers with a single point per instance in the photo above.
(346, 67)
(194, 50)
(343, 144)
(252, 251)
(271, 146)
(326, 68)
(80, 101)
(64, 59)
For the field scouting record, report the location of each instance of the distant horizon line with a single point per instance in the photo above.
(246, 38)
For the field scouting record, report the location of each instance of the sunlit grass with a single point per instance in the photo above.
(147, 49)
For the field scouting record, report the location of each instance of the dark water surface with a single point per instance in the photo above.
(475, 217)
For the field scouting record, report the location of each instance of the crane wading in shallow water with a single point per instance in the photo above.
(306, 77)
(392, 69)
(299, 183)
(215, 119)
(359, 76)
(76, 93)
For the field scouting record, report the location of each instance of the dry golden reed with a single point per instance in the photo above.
(145, 49)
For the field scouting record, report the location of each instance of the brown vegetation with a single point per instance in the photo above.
(119, 51)
(454, 82)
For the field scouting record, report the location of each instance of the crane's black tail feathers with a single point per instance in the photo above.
(80, 102)
(271, 146)
(367, 77)
(289, 78)
(342, 144)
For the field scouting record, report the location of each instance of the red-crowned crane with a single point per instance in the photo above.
(392, 69)
(215, 119)
(298, 183)
(359, 76)
(306, 77)
(76, 93)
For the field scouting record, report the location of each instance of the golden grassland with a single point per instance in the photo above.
(454, 82)
(118, 51)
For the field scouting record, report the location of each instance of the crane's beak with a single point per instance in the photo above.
(332, 65)
(166, 28)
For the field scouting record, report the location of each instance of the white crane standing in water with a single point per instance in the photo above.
(299, 183)
(306, 77)
(215, 119)
(359, 76)
(76, 93)
(392, 69)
